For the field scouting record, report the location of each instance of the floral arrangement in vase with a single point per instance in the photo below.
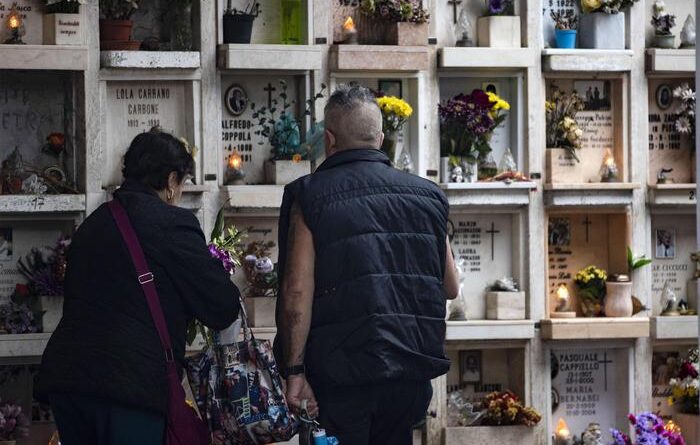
(396, 10)
(504, 408)
(63, 6)
(663, 21)
(591, 290)
(467, 123)
(685, 120)
(395, 114)
(563, 131)
(260, 271)
(17, 318)
(13, 423)
(606, 6)
(45, 269)
(684, 387)
(649, 429)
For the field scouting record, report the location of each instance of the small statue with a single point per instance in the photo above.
(592, 435)
(688, 33)
(264, 265)
(669, 301)
(507, 163)
(457, 174)
(463, 29)
(34, 185)
(662, 178)
(405, 162)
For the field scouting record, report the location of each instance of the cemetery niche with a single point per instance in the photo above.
(265, 21)
(680, 12)
(483, 23)
(41, 135)
(380, 22)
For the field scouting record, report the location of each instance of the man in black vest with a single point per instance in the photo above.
(366, 270)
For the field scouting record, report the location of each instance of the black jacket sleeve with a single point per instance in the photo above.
(201, 280)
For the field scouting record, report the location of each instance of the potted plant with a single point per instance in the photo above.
(261, 275)
(685, 118)
(649, 429)
(276, 123)
(603, 23)
(684, 395)
(116, 24)
(238, 24)
(395, 114)
(590, 282)
(563, 135)
(467, 123)
(62, 23)
(13, 424)
(663, 21)
(565, 24)
(500, 28)
(406, 21)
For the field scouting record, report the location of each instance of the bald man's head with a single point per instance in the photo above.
(353, 119)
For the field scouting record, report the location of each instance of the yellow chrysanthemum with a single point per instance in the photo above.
(498, 103)
(394, 105)
(591, 5)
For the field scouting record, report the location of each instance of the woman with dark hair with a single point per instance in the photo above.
(103, 371)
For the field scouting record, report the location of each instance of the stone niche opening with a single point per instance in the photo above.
(604, 123)
(487, 248)
(580, 239)
(454, 18)
(672, 242)
(665, 362)
(34, 105)
(134, 107)
(668, 149)
(509, 87)
(679, 8)
(269, 27)
(591, 383)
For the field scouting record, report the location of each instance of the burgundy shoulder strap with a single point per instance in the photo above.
(144, 275)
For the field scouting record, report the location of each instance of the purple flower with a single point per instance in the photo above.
(224, 256)
(496, 6)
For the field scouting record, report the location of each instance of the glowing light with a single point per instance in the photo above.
(563, 295)
(235, 161)
(562, 430)
(672, 427)
(349, 24)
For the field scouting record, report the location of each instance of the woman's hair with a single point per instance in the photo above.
(152, 156)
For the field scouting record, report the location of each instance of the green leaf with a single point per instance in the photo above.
(630, 257)
(218, 229)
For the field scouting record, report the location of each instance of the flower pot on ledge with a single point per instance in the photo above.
(63, 29)
(664, 41)
(407, 34)
(499, 31)
(283, 172)
(261, 311)
(598, 30)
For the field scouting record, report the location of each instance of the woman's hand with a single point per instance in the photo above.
(298, 389)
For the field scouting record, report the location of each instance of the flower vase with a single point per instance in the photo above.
(664, 41)
(471, 171)
(499, 31)
(407, 34)
(63, 29)
(602, 31)
(389, 145)
(238, 28)
(52, 308)
(565, 38)
(618, 299)
(284, 172)
(487, 169)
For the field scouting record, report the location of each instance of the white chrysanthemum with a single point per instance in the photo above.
(688, 95)
(683, 125)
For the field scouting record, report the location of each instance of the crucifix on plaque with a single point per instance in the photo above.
(493, 233)
(269, 88)
(605, 363)
(587, 222)
(454, 4)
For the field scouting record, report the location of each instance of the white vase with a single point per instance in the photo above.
(63, 29)
(499, 31)
(471, 171)
(284, 172)
(602, 31)
(618, 299)
(52, 308)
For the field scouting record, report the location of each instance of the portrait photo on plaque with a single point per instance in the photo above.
(236, 100)
(665, 244)
(595, 94)
(470, 366)
(664, 96)
(559, 232)
(391, 87)
(5, 244)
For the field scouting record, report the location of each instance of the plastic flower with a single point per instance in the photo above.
(591, 5)
(395, 112)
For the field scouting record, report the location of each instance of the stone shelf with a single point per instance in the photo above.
(486, 57)
(150, 59)
(490, 330)
(483, 435)
(44, 57)
(588, 60)
(489, 193)
(269, 57)
(672, 195)
(379, 58)
(616, 194)
(42, 203)
(675, 328)
(23, 345)
(255, 196)
(192, 197)
(670, 61)
(595, 328)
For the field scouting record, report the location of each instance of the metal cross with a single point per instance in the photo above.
(587, 222)
(454, 4)
(269, 90)
(605, 362)
(493, 233)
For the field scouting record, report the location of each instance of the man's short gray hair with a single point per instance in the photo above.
(353, 116)
(349, 95)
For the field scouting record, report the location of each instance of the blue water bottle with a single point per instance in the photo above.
(320, 437)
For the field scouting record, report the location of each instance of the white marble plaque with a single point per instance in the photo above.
(586, 387)
(31, 11)
(672, 240)
(238, 131)
(136, 107)
(483, 244)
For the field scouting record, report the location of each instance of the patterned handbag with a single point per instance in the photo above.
(238, 389)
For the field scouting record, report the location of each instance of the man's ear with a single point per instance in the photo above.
(381, 140)
(330, 142)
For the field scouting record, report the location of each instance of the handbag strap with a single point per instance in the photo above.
(144, 275)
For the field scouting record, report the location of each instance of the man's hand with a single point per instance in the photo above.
(298, 389)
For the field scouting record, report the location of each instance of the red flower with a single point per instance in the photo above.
(632, 419)
(57, 142)
(481, 99)
(687, 370)
(21, 290)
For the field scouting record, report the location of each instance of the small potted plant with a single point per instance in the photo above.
(565, 24)
(238, 24)
(395, 114)
(116, 24)
(406, 21)
(603, 23)
(684, 395)
(62, 22)
(261, 275)
(13, 424)
(500, 28)
(563, 134)
(663, 21)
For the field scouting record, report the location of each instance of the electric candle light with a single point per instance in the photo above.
(235, 174)
(14, 23)
(562, 436)
(609, 171)
(563, 309)
(349, 31)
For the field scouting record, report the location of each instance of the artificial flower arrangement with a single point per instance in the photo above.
(396, 10)
(591, 290)
(649, 429)
(564, 20)
(500, 7)
(662, 20)
(13, 423)
(504, 408)
(45, 269)
(685, 120)
(606, 6)
(467, 123)
(563, 131)
(260, 271)
(63, 6)
(16, 316)
(684, 387)
(395, 114)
